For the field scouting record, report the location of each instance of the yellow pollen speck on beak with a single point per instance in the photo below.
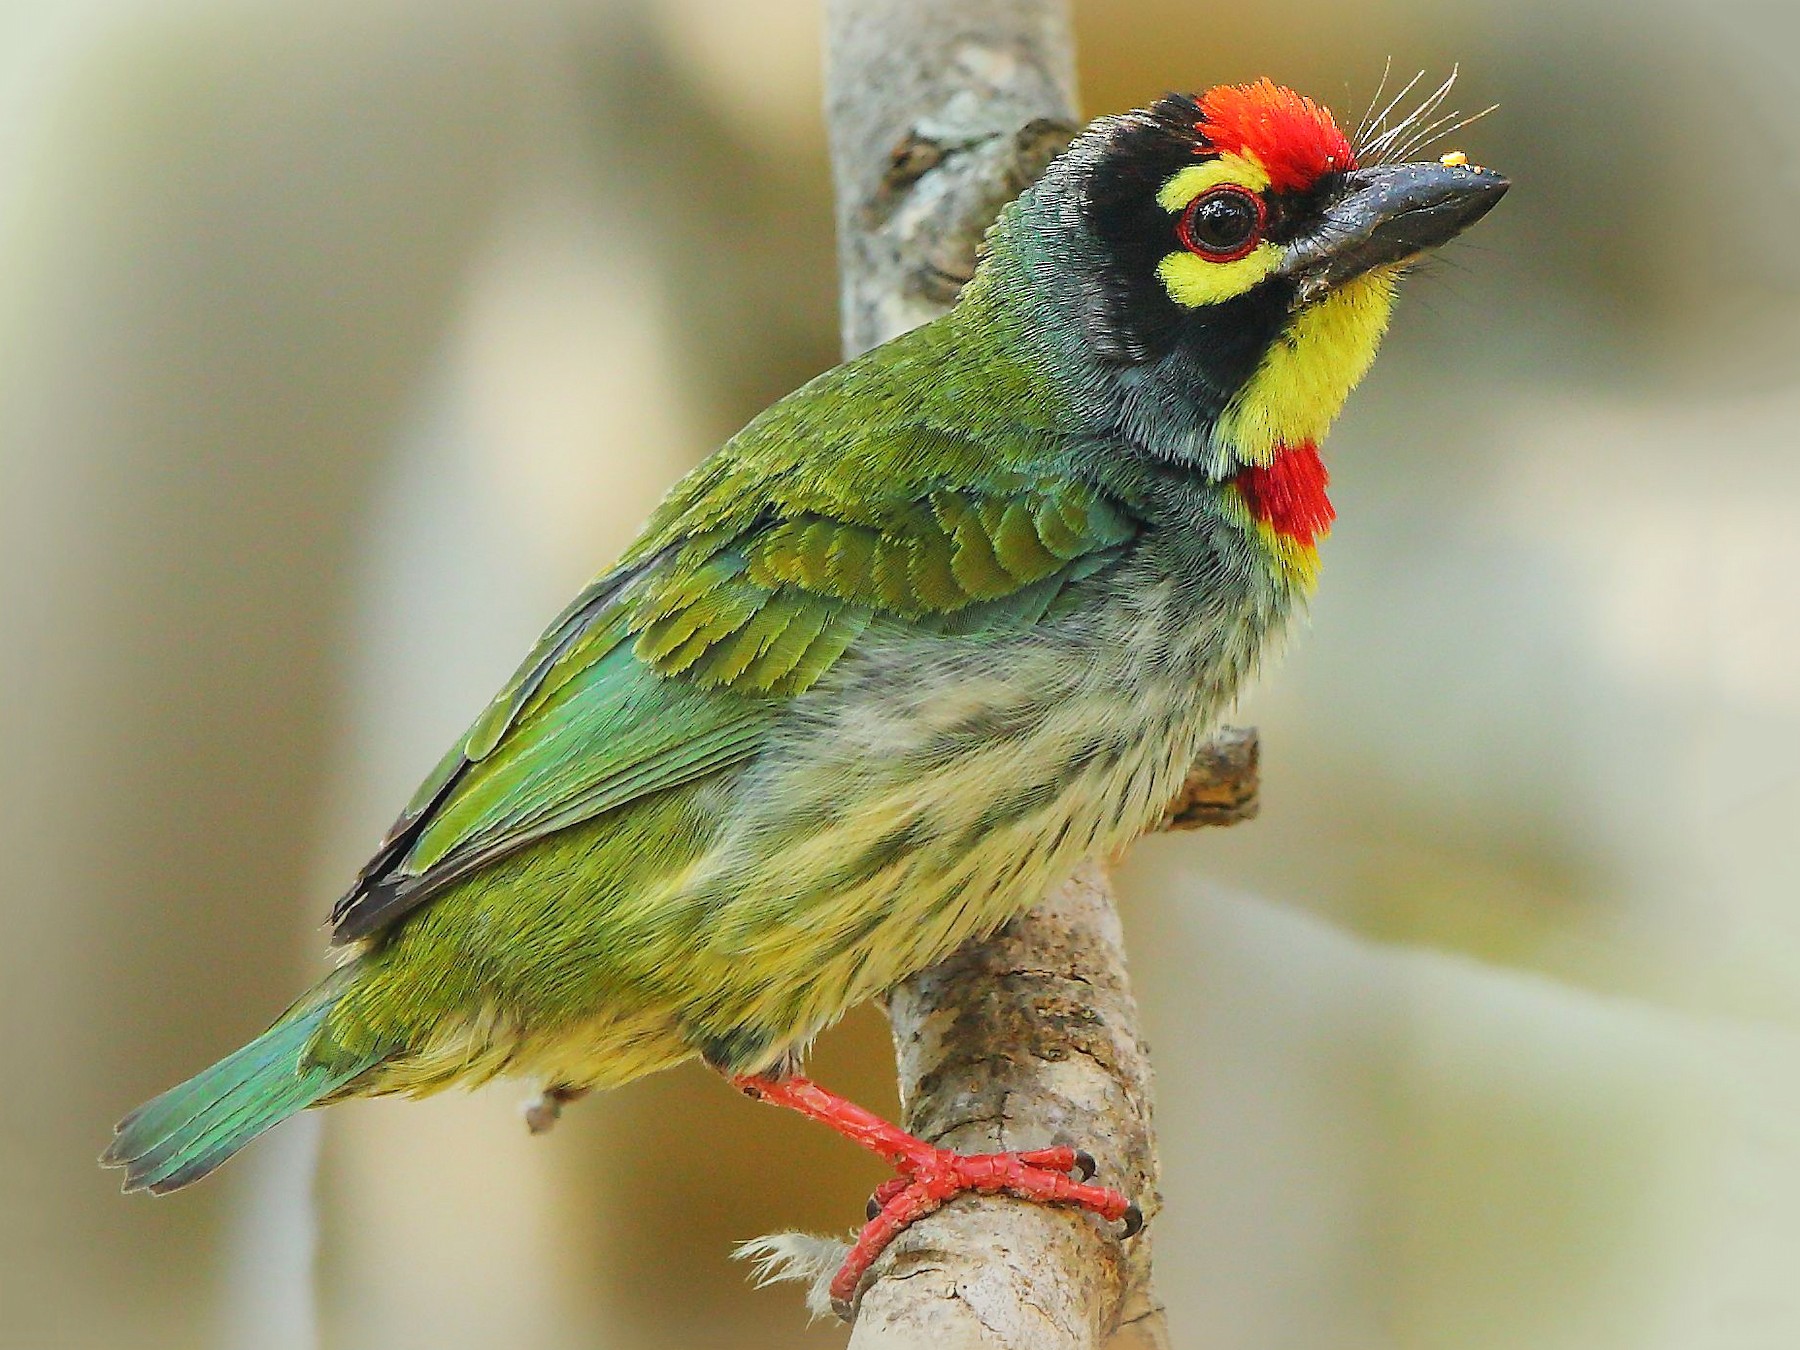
(1456, 159)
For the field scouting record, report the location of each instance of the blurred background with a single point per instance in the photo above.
(340, 341)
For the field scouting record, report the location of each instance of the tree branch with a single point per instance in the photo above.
(940, 112)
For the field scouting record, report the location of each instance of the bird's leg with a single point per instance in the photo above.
(546, 1108)
(929, 1177)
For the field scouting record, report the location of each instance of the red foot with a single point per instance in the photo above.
(930, 1177)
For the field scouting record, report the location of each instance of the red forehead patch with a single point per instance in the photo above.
(1295, 140)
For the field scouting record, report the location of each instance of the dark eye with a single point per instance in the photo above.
(1222, 225)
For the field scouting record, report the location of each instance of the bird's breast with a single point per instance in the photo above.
(932, 788)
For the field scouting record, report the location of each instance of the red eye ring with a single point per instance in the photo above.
(1218, 251)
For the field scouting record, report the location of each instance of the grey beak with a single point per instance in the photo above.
(1388, 215)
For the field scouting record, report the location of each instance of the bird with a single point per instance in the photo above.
(923, 635)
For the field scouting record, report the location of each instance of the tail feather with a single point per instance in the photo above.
(175, 1139)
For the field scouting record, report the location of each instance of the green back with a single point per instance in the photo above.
(845, 506)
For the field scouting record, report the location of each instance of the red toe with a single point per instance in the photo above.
(931, 1177)
(929, 1181)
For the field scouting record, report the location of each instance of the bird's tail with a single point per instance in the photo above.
(173, 1140)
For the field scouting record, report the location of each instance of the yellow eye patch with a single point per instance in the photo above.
(1194, 281)
(1187, 184)
(1191, 280)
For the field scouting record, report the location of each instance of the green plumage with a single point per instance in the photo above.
(922, 636)
(177, 1138)
(683, 827)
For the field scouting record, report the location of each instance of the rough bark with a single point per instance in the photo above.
(940, 112)
(1027, 1039)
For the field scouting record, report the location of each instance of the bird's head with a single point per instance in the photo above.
(1221, 268)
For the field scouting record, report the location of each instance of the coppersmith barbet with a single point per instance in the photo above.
(918, 639)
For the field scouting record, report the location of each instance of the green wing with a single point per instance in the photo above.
(770, 610)
(582, 726)
(677, 664)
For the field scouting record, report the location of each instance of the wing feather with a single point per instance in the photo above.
(677, 664)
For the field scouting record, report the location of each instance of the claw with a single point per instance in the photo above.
(935, 1176)
(930, 1177)
(886, 1192)
(1133, 1221)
